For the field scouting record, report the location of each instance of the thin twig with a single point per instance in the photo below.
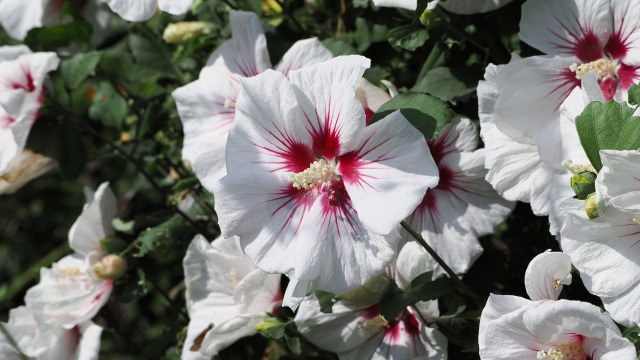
(461, 286)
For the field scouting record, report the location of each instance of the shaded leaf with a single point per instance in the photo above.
(408, 37)
(78, 68)
(447, 84)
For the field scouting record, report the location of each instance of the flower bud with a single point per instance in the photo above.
(109, 267)
(591, 207)
(269, 323)
(185, 30)
(430, 18)
(583, 184)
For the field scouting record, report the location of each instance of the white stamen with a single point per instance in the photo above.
(604, 68)
(374, 325)
(571, 351)
(577, 168)
(319, 173)
(228, 103)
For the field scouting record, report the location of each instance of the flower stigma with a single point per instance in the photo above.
(374, 325)
(572, 351)
(604, 68)
(319, 173)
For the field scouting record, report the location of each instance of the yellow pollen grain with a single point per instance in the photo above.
(604, 68)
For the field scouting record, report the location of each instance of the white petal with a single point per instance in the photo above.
(89, 347)
(525, 114)
(579, 28)
(257, 292)
(624, 308)
(295, 293)
(175, 7)
(605, 250)
(326, 94)
(303, 53)
(405, 4)
(27, 166)
(268, 131)
(546, 274)
(18, 17)
(388, 173)
(246, 53)
(371, 97)
(206, 108)
(8, 53)
(626, 25)
(139, 10)
(228, 332)
(338, 331)
(94, 224)
(410, 263)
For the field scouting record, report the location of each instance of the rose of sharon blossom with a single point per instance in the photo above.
(42, 339)
(539, 170)
(22, 76)
(606, 250)
(515, 328)
(311, 191)
(207, 106)
(141, 10)
(18, 17)
(463, 7)
(463, 206)
(227, 296)
(76, 287)
(356, 330)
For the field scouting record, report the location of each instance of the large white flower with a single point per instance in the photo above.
(463, 206)
(207, 106)
(463, 7)
(356, 330)
(532, 170)
(226, 296)
(141, 10)
(606, 250)
(18, 17)
(515, 328)
(42, 339)
(74, 289)
(22, 76)
(312, 192)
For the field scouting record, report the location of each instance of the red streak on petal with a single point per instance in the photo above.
(616, 47)
(351, 164)
(586, 45)
(628, 76)
(294, 156)
(326, 132)
(295, 201)
(338, 212)
(368, 113)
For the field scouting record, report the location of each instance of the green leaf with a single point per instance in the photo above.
(448, 84)
(113, 244)
(431, 290)
(108, 106)
(326, 300)
(125, 227)
(426, 113)
(338, 47)
(608, 126)
(152, 54)
(408, 37)
(293, 343)
(78, 68)
(634, 95)
(165, 237)
(57, 36)
(391, 306)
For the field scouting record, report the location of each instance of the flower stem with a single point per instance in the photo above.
(461, 286)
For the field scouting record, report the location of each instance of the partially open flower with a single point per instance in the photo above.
(184, 30)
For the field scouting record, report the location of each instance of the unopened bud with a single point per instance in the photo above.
(109, 267)
(590, 206)
(271, 7)
(583, 184)
(185, 30)
(430, 18)
(268, 323)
